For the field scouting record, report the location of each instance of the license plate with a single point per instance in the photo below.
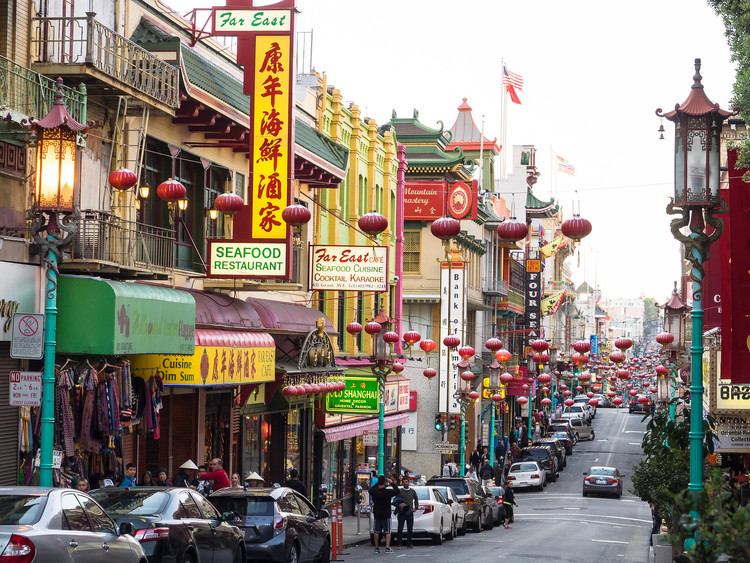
(601, 482)
(523, 483)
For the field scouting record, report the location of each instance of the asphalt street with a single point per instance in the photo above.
(559, 524)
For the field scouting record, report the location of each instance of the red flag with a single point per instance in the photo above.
(512, 82)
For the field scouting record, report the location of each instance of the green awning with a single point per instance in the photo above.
(103, 317)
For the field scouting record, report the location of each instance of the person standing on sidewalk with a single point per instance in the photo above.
(487, 474)
(509, 501)
(381, 511)
(405, 512)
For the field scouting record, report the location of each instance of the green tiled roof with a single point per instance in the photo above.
(313, 140)
(202, 74)
(534, 203)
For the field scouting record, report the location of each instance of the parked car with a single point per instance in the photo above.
(583, 429)
(414, 478)
(433, 518)
(602, 480)
(527, 474)
(496, 509)
(557, 448)
(565, 439)
(604, 401)
(61, 525)
(636, 406)
(545, 457)
(497, 493)
(583, 400)
(564, 426)
(470, 496)
(459, 513)
(174, 524)
(278, 524)
(577, 410)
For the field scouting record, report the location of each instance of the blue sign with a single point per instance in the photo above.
(593, 339)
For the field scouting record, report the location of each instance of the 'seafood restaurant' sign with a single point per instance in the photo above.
(229, 259)
(348, 268)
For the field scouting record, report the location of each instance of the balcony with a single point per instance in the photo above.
(25, 93)
(106, 244)
(496, 288)
(109, 63)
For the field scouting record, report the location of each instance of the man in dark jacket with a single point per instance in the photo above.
(509, 501)
(381, 511)
(487, 474)
(405, 511)
(294, 483)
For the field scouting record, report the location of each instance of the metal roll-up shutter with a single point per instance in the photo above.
(8, 420)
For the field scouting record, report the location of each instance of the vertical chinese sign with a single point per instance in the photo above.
(532, 306)
(453, 307)
(265, 48)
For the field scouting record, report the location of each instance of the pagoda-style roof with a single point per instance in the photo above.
(675, 303)
(584, 288)
(426, 152)
(467, 135)
(536, 207)
(697, 103)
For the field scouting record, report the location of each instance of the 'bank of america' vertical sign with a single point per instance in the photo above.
(453, 305)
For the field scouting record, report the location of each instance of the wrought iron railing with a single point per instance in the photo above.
(31, 94)
(108, 239)
(76, 41)
(496, 287)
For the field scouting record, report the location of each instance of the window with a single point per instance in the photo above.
(99, 519)
(206, 507)
(189, 508)
(75, 517)
(412, 252)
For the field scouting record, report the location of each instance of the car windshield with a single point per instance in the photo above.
(444, 492)
(423, 493)
(523, 467)
(459, 486)
(132, 501)
(21, 509)
(244, 506)
(560, 435)
(601, 471)
(497, 491)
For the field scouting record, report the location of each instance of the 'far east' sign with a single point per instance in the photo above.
(348, 268)
(229, 259)
(361, 396)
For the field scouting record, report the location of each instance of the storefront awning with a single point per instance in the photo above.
(288, 318)
(222, 357)
(344, 431)
(218, 310)
(104, 317)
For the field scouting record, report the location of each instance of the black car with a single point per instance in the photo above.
(278, 523)
(545, 457)
(174, 524)
(557, 448)
(641, 407)
(472, 498)
(565, 439)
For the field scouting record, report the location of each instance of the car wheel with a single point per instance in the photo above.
(585, 494)
(454, 532)
(293, 555)
(437, 539)
(575, 438)
(462, 529)
(325, 555)
(240, 558)
(189, 558)
(478, 524)
(490, 521)
(593, 435)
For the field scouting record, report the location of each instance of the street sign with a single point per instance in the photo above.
(25, 388)
(370, 438)
(27, 337)
(445, 447)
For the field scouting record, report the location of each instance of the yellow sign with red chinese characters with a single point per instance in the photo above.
(272, 132)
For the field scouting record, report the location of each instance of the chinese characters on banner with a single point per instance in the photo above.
(453, 299)
(271, 137)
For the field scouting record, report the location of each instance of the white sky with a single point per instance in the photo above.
(594, 75)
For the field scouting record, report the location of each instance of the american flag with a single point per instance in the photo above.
(512, 79)
(564, 166)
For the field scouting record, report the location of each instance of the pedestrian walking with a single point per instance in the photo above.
(446, 469)
(294, 483)
(487, 474)
(509, 501)
(523, 436)
(474, 459)
(405, 512)
(471, 473)
(453, 468)
(381, 511)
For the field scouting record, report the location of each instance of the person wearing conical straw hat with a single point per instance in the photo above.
(183, 478)
(254, 480)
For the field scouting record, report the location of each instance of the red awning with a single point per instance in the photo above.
(280, 317)
(344, 431)
(232, 339)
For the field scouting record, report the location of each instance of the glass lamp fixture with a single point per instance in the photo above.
(182, 204)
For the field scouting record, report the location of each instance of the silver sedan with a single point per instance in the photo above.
(39, 524)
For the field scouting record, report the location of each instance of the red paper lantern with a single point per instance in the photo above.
(122, 179)
(497, 397)
(662, 370)
(390, 337)
(506, 378)
(579, 388)
(525, 386)
(665, 338)
(576, 228)
(653, 389)
(231, 204)
(579, 359)
(295, 215)
(569, 402)
(544, 378)
(372, 223)
(171, 190)
(582, 346)
(315, 388)
(451, 341)
(616, 356)
(512, 230)
(611, 394)
(502, 355)
(412, 337)
(623, 374)
(567, 392)
(521, 400)
(445, 228)
(593, 402)
(543, 358)
(493, 344)
(354, 328)
(473, 395)
(585, 376)
(466, 352)
(427, 345)
(467, 375)
(546, 401)
(397, 367)
(373, 328)
(617, 401)
(544, 390)
(623, 343)
(429, 373)
(590, 394)
(539, 345)
(633, 392)
(289, 391)
(643, 399)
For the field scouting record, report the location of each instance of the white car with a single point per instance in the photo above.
(433, 518)
(527, 474)
(576, 410)
(459, 514)
(584, 402)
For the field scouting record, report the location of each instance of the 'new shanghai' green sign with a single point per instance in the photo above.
(361, 396)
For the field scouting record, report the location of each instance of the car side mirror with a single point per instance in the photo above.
(322, 514)
(229, 516)
(127, 528)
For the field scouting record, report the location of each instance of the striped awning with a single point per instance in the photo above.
(345, 431)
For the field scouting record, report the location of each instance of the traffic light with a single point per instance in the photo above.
(439, 422)
(452, 424)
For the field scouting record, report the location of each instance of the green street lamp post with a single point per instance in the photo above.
(698, 123)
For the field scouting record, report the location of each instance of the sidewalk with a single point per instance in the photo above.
(350, 530)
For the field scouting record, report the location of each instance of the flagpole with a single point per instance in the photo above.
(552, 171)
(481, 157)
(503, 128)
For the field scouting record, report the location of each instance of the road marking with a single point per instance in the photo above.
(609, 541)
(601, 440)
(635, 432)
(571, 508)
(634, 444)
